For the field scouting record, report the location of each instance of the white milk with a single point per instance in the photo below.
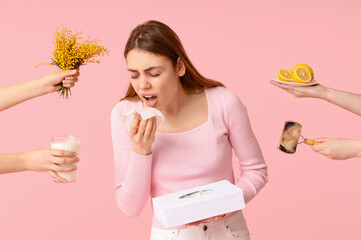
(71, 145)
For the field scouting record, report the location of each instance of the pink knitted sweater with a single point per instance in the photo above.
(187, 159)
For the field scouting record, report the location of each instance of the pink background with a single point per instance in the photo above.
(237, 42)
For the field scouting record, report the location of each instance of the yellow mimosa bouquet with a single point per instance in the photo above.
(69, 53)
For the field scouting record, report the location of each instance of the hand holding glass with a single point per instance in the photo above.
(69, 143)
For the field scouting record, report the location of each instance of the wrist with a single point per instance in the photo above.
(43, 86)
(46, 85)
(324, 93)
(141, 150)
(353, 148)
(22, 161)
(327, 94)
(358, 148)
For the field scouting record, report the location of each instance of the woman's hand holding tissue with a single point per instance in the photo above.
(142, 132)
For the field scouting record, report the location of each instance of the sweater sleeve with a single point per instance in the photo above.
(132, 170)
(253, 169)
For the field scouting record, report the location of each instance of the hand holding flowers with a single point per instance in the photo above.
(69, 54)
(56, 78)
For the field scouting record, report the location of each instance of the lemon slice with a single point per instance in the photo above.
(284, 75)
(305, 66)
(301, 75)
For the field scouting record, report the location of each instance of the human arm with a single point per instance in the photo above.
(39, 160)
(132, 163)
(253, 169)
(338, 148)
(347, 100)
(17, 93)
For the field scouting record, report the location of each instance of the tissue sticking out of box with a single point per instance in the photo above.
(145, 114)
(196, 194)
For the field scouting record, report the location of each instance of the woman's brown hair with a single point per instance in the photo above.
(158, 38)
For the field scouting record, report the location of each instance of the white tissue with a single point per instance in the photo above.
(147, 113)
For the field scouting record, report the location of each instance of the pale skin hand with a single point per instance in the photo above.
(17, 93)
(346, 100)
(315, 91)
(47, 160)
(39, 160)
(68, 78)
(338, 148)
(142, 132)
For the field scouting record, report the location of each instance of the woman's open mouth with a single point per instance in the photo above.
(150, 98)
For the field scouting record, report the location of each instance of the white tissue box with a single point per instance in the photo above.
(198, 203)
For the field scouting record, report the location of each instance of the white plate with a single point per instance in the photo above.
(310, 83)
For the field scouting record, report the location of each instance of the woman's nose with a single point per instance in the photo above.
(144, 83)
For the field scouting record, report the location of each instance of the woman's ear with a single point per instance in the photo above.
(181, 68)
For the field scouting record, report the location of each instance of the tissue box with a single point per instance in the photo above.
(198, 203)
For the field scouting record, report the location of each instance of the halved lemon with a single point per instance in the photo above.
(301, 75)
(284, 75)
(305, 66)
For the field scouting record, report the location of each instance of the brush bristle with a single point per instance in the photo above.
(290, 136)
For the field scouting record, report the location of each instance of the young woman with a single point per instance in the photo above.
(204, 122)
(40, 160)
(334, 148)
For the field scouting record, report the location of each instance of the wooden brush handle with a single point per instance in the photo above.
(311, 142)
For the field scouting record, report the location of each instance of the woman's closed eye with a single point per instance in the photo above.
(134, 76)
(154, 75)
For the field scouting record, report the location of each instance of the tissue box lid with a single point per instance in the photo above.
(198, 203)
(196, 195)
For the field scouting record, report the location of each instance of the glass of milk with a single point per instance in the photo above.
(69, 143)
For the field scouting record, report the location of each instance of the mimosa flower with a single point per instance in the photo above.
(70, 54)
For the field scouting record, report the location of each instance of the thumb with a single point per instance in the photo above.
(68, 73)
(320, 144)
(317, 147)
(322, 139)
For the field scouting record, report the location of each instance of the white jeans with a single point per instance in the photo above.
(231, 228)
